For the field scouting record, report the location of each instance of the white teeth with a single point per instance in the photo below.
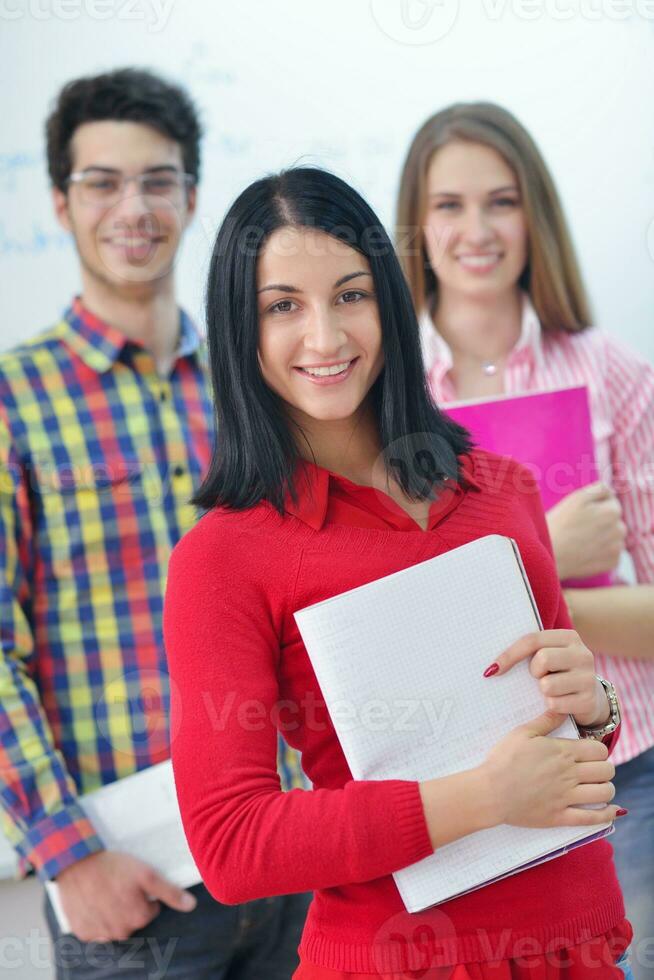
(323, 372)
(131, 241)
(478, 261)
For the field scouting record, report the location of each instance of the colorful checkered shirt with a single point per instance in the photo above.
(99, 456)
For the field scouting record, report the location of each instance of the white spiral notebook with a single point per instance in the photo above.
(400, 663)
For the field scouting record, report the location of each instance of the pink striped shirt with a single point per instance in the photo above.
(621, 392)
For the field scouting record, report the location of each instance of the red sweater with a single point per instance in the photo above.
(240, 673)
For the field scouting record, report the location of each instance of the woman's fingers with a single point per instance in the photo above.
(531, 643)
(592, 793)
(561, 684)
(597, 491)
(588, 750)
(577, 817)
(549, 660)
(595, 772)
(582, 705)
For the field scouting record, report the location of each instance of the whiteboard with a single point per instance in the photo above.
(344, 84)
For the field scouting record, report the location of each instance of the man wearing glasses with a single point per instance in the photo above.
(105, 431)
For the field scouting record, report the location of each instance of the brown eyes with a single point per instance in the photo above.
(276, 307)
(285, 305)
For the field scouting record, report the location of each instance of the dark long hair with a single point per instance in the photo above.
(256, 453)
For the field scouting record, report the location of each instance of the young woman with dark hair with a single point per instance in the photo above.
(333, 468)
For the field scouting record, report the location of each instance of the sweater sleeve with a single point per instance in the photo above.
(630, 392)
(562, 620)
(248, 838)
(41, 815)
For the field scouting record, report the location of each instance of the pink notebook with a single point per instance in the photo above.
(548, 431)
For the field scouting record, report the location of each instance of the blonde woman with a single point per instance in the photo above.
(490, 263)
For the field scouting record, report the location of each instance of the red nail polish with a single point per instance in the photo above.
(493, 669)
(621, 812)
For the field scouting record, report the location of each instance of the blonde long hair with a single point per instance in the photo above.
(551, 276)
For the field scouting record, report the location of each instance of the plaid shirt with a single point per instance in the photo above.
(99, 456)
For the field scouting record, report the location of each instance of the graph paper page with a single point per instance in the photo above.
(400, 663)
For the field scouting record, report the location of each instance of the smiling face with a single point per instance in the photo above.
(320, 341)
(475, 227)
(130, 242)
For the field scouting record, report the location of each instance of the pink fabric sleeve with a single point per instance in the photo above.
(630, 390)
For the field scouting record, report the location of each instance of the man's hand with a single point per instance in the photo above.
(587, 532)
(108, 895)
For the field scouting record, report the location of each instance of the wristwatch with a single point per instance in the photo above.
(614, 718)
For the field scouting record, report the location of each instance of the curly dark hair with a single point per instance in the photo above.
(131, 94)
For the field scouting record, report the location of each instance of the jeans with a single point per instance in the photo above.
(633, 846)
(625, 965)
(213, 942)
